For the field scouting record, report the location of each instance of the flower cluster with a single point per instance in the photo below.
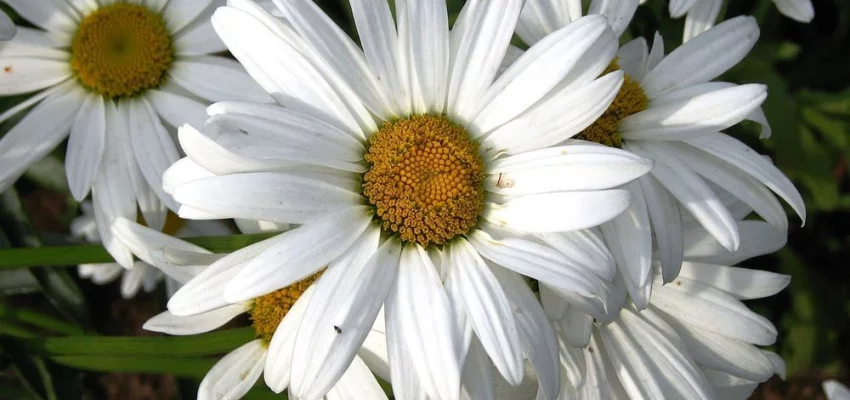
(457, 216)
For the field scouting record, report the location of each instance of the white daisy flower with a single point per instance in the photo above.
(114, 75)
(696, 340)
(275, 318)
(670, 111)
(700, 15)
(835, 390)
(7, 27)
(407, 164)
(142, 275)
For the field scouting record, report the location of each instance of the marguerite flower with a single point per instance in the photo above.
(275, 318)
(700, 15)
(141, 275)
(115, 75)
(670, 111)
(407, 164)
(696, 340)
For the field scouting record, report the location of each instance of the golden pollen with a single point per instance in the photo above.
(121, 50)
(630, 100)
(425, 179)
(268, 310)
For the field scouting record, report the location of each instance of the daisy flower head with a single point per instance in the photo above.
(116, 77)
(669, 110)
(695, 340)
(700, 15)
(414, 170)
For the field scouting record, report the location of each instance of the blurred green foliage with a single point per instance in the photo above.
(807, 71)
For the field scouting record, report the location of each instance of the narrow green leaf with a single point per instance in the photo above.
(96, 254)
(38, 319)
(172, 346)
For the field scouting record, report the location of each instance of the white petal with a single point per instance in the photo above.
(666, 220)
(166, 322)
(757, 238)
(7, 27)
(800, 11)
(406, 384)
(358, 382)
(478, 380)
(700, 18)
(348, 296)
(710, 309)
(426, 39)
(558, 117)
(536, 334)
(583, 247)
(197, 39)
(37, 133)
(618, 12)
(339, 54)
(216, 79)
(542, 17)
(175, 109)
(558, 212)
(704, 57)
(478, 43)
(302, 251)
(267, 196)
(56, 17)
(629, 237)
(727, 386)
(278, 369)
(235, 373)
(576, 327)
(538, 262)
(178, 14)
(153, 147)
(564, 168)
(742, 156)
(378, 36)
(678, 8)
(418, 317)
(539, 70)
(742, 283)
(691, 191)
(25, 75)
(182, 171)
(487, 309)
(85, 146)
(632, 56)
(143, 241)
(695, 115)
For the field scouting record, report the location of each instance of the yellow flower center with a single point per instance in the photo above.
(630, 100)
(269, 310)
(425, 179)
(121, 50)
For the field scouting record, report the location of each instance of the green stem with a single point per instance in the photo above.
(38, 319)
(97, 254)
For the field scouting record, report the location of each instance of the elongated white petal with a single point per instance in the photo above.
(178, 14)
(378, 36)
(427, 49)
(267, 196)
(693, 116)
(182, 171)
(216, 79)
(542, 17)
(678, 8)
(478, 42)
(537, 261)
(538, 71)
(418, 315)
(175, 109)
(25, 75)
(583, 247)
(358, 382)
(348, 297)
(704, 57)
(303, 251)
(153, 147)
(619, 13)
(166, 322)
(233, 375)
(742, 283)
(666, 220)
(700, 18)
(800, 11)
(487, 308)
(143, 242)
(691, 191)
(757, 238)
(278, 369)
(629, 237)
(58, 18)
(85, 146)
(478, 382)
(632, 56)
(557, 118)
(742, 156)
(558, 212)
(198, 39)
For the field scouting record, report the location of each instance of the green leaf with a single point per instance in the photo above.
(56, 284)
(37, 319)
(172, 346)
(96, 254)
